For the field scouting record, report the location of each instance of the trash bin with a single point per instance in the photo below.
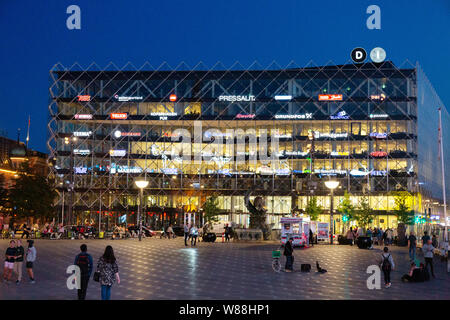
(101, 235)
(69, 234)
(37, 235)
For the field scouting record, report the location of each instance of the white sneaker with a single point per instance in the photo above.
(388, 285)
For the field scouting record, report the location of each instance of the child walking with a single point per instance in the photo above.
(387, 265)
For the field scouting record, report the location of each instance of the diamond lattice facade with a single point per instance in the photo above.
(367, 125)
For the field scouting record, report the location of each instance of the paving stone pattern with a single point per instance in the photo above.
(166, 269)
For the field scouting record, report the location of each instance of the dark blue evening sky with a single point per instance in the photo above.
(34, 37)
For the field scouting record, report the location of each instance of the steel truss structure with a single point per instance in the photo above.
(108, 126)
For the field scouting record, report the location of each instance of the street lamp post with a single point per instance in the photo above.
(141, 184)
(331, 184)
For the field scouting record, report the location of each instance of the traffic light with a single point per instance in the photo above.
(344, 218)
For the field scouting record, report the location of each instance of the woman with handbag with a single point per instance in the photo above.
(107, 272)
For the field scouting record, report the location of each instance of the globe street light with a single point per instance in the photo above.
(331, 184)
(141, 184)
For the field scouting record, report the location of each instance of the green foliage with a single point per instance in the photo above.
(402, 210)
(32, 195)
(313, 209)
(211, 209)
(364, 215)
(346, 208)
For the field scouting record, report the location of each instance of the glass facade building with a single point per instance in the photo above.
(197, 133)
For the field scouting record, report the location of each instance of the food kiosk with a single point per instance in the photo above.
(296, 228)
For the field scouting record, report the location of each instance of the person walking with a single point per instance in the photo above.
(31, 258)
(428, 253)
(227, 233)
(350, 236)
(109, 272)
(18, 263)
(389, 235)
(194, 234)
(387, 265)
(412, 244)
(311, 237)
(434, 241)
(425, 238)
(288, 252)
(380, 236)
(84, 261)
(10, 257)
(186, 234)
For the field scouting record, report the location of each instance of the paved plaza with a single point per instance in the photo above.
(166, 269)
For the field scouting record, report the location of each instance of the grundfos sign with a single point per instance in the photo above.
(237, 98)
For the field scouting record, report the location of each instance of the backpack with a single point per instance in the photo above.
(386, 265)
(83, 263)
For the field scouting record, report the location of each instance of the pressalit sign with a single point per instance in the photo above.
(237, 98)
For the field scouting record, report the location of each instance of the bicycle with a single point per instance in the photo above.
(276, 264)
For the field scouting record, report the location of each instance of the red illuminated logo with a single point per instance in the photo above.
(173, 97)
(84, 98)
(378, 154)
(330, 97)
(119, 116)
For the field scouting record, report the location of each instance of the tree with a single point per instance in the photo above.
(346, 209)
(211, 209)
(32, 196)
(313, 209)
(402, 211)
(364, 215)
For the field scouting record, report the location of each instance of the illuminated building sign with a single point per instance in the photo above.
(245, 116)
(124, 169)
(119, 134)
(319, 135)
(294, 116)
(117, 153)
(330, 97)
(124, 99)
(283, 136)
(296, 153)
(358, 173)
(378, 173)
(173, 97)
(330, 172)
(380, 97)
(339, 153)
(119, 116)
(378, 154)
(82, 133)
(283, 97)
(212, 133)
(378, 116)
(84, 98)
(342, 115)
(237, 98)
(81, 170)
(169, 170)
(377, 135)
(83, 152)
(83, 116)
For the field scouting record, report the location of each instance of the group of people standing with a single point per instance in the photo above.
(377, 235)
(190, 232)
(107, 272)
(14, 257)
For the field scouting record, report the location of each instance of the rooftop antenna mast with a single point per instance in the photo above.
(28, 131)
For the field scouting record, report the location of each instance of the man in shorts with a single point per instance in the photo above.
(9, 261)
(31, 257)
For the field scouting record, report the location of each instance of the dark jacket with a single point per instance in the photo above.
(288, 249)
